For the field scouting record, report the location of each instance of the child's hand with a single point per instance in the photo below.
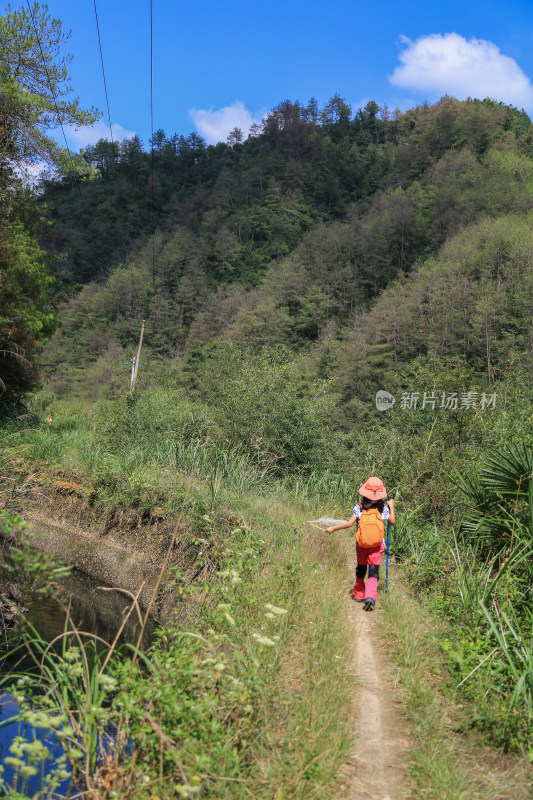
(329, 530)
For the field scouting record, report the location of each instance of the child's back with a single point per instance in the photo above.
(370, 515)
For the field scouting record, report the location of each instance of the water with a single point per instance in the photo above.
(9, 709)
(91, 609)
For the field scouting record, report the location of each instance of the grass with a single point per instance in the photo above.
(126, 463)
(264, 722)
(239, 704)
(289, 734)
(444, 762)
(485, 601)
(306, 724)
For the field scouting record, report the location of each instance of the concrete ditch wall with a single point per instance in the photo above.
(103, 558)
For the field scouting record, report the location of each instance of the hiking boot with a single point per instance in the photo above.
(369, 604)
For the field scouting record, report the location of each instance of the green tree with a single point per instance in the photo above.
(33, 100)
(27, 304)
(35, 88)
(263, 406)
(336, 110)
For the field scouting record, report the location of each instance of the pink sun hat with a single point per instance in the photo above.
(373, 489)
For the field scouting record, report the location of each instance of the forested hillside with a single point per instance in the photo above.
(290, 237)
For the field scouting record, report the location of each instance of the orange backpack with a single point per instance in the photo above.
(370, 528)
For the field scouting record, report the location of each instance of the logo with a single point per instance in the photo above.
(384, 400)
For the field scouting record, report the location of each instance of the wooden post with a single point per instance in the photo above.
(137, 359)
(132, 373)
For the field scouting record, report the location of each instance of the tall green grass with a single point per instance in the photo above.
(126, 461)
(479, 577)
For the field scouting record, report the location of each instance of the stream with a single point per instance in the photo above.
(91, 609)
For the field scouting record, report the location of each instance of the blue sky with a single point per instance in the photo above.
(217, 65)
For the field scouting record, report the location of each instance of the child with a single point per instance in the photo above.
(374, 496)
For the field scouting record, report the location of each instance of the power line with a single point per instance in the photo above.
(152, 138)
(114, 151)
(152, 72)
(106, 94)
(50, 86)
(103, 71)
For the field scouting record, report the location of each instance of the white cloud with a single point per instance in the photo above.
(85, 136)
(449, 64)
(31, 173)
(214, 126)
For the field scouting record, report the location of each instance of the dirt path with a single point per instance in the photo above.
(376, 769)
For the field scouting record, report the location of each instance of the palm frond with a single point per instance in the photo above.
(509, 472)
(499, 503)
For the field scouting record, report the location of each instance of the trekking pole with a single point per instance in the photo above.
(387, 562)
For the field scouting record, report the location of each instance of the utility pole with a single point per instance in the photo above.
(136, 360)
